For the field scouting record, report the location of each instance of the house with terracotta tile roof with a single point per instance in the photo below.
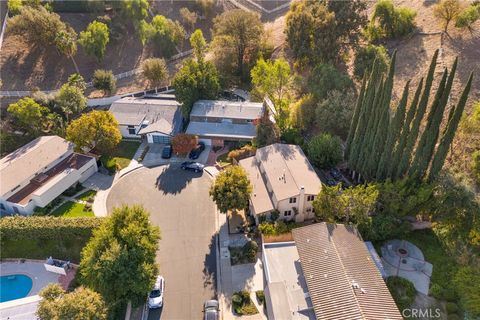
(282, 179)
(326, 273)
(35, 174)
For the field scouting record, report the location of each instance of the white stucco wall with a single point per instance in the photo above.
(125, 134)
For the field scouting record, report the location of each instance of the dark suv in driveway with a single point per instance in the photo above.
(195, 153)
(167, 152)
(192, 166)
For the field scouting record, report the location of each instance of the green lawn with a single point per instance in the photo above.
(120, 158)
(72, 209)
(90, 194)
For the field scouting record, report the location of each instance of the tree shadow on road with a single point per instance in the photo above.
(173, 180)
(210, 266)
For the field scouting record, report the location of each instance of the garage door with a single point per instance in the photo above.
(160, 139)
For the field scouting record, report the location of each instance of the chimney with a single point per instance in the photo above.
(301, 202)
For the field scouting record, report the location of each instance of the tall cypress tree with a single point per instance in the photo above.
(355, 118)
(449, 132)
(393, 135)
(433, 127)
(399, 149)
(382, 122)
(422, 107)
(359, 134)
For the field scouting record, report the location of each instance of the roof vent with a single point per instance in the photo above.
(308, 240)
(355, 285)
(363, 291)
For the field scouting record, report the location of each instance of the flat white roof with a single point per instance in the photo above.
(227, 109)
(285, 279)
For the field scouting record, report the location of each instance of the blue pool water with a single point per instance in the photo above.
(14, 287)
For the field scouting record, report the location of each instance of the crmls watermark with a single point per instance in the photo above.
(421, 313)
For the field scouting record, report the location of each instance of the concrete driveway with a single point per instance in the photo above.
(179, 204)
(154, 156)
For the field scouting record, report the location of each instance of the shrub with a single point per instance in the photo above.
(325, 151)
(325, 78)
(436, 291)
(292, 136)
(451, 308)
(454, 316)
(449, 294)
(250, 250)
(402, 290)
(244, 152)
(260, 296)
(19, 228)
(73, 190)
(104, 80)
(365, 57)
(390, 22)
(468, 17)
(274, 215)
(276, 228)
(183, 143)
(155, 71)
(242, 304)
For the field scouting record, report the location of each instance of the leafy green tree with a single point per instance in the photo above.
(95, 39)
(390, 22)
(467, 18)
(165, 34)
(318, 30)
(199, 45)
(231, 189)
(119, 260)
(271, 78)
(267, 132)
(302, 114)
(195, 81)
(352, 205)
(80, 304)
(29, 115)
(189, 18)
(76, 80)
(447, 10)
(14, 7)
(237, 38)
(155, 71)
(38, 26)
(70, 100)
(105, 81)
(325, 78)
(95, 130)
(135, 10)
(365, 56)
(334, 114)
(66, 43)
(325, 151)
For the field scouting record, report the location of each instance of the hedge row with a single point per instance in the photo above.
(47, 227)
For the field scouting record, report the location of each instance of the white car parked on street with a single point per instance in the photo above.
(155, 298)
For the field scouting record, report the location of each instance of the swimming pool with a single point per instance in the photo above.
(14, 286)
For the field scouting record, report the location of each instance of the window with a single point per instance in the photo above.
(15, 209)
(2, 206)
(293, 200)
(287, 213)
(310, 198)
(131, 130)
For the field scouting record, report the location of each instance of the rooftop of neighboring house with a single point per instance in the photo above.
(46, 180)
(227, 109)
(146, 112)
(224, 130)
(287, 169)
(287, 288)
(342, 279)
(33, 157)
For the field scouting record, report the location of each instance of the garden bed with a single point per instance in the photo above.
(242, 304)
(87, 196)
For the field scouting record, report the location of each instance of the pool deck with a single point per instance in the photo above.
(35, 270)
(25, 308)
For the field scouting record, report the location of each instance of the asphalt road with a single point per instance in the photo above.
(179, 204)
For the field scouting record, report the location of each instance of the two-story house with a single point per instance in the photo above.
(35, 174)
(284, 180)
(217, 122)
